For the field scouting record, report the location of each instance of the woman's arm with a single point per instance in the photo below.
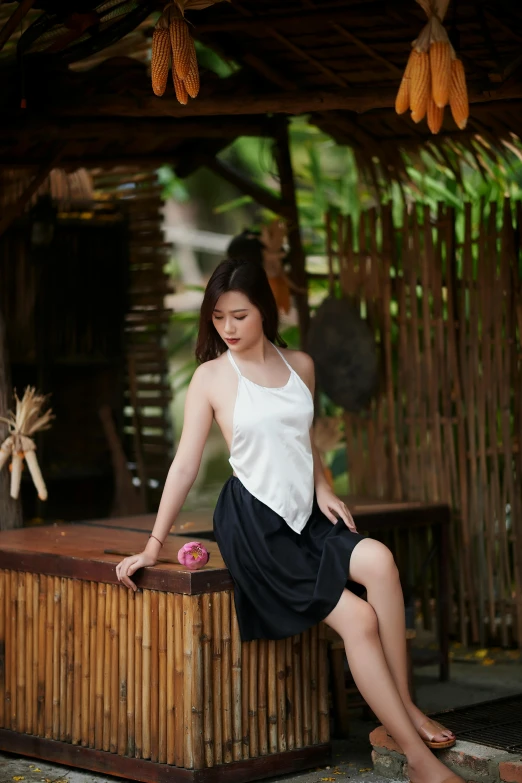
(197, 421)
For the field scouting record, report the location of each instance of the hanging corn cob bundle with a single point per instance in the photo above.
(173, 46)
(433, 76)
(19, 445)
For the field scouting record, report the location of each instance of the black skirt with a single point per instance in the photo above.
(284, 582)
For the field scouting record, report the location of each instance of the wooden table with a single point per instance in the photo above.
(154, 685)
(371, 516)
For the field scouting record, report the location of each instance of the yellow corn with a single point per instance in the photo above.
(402, 101)
(180, 41)
(191, 80)
(435, 116)
(458, 96)
(440, 66)
(419, 84)
(179, 87)
(160, 61)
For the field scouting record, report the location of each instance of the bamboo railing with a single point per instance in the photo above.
(445, 302)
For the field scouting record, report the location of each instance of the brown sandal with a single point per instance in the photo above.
(428, 730)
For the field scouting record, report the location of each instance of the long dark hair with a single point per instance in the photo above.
(250, 279)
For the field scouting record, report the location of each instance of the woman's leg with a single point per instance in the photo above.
(356, 622)
(373, 566)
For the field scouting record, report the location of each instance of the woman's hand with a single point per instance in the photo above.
(333, 508)
(126, 568)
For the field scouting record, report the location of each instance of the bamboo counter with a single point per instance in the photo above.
(154, 685)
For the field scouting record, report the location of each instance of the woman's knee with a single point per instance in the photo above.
(373, 563)
(353, 617)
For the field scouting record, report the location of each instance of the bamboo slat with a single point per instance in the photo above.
(123, 670)
(236, 650)
(154, 676)
(59, 610)
(2, 647)
(208, 722)
(197, 698)
(163, 677)
(78, 628)
(93, 627)
(245, 695)
(107, 651)
(272, 697)
(20, 649)
(131, 674)
(226, 676)
(188, 749)
(28, 663)
(146, 666)
(100, 659)
(138, 675)
(179, 688)
(69, 660)
(262, 695)
(281, 696)
(86, 672)
(289, 681)
(216, 677)
(253, 731)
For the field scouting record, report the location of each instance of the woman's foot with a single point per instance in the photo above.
(433, 734)
(431, 770)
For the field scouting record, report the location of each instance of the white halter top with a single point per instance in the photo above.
(271, 452)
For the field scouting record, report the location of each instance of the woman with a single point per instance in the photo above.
(289, 543)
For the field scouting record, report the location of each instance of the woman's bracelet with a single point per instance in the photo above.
(157, 539)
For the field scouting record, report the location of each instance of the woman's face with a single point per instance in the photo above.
(238, 322)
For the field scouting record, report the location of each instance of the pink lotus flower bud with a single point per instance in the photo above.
(193, 555)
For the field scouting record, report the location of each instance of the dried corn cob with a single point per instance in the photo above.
(181, 43)
(191, 80)
(402, 101)
(160, 61)
(458, 96)
(420, 84)
(440, 66)
(435, 116)
(179, 87)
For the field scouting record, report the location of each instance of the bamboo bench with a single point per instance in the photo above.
(154, 685)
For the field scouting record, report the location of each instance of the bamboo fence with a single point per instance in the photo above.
(153, 675)
(444, 300)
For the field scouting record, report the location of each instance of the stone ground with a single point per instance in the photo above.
(471, 682)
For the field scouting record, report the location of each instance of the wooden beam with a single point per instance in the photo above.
(353, 99)
(296, 254)
(250, 188)
(14, 20)
(322, 14)
(16, 209)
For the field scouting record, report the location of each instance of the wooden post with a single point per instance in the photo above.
(296, 254)
(10, 510)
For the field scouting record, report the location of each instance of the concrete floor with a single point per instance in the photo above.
(351, 762)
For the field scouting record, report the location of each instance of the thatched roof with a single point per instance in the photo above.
(339, 60)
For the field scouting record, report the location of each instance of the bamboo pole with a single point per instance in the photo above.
(138, 676)
(198, 684)
(272, 697)
(146, 647)
(281, 696)
(29, 626)
(314, 685)
(290, 726)
(216, 679)
(236, 686)
(3, 644)
(131, 676)
(76, 701)
(262, 696)
(188, 750)
(69, 661)
(322, 687)
(245, 694)
(252, 700)
(163, 677)
(179, 689)
(208, 723)
(86, 636)
(305, 671)
(100, 659)
(154, 676)
(298, 696)
(9, 641)
(226, 676)
(47, 585)
(59, 610)
(170, 674)
(20, 659)
(114, 680)
(14, 650)
(123, 670)
(107, 670)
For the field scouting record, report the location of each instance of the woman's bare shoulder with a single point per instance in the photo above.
(301, 362)
(210, 370)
